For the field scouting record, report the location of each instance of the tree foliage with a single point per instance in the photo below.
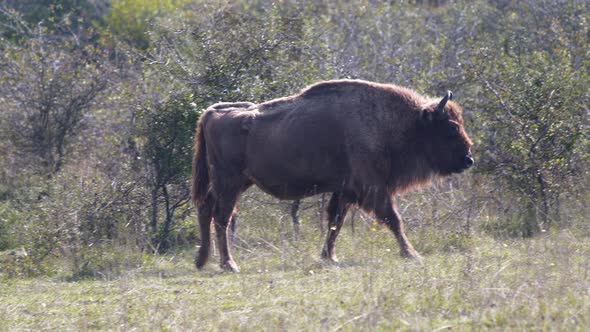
(48, 83)
(166, 130)
(537, 99)
(131, 20)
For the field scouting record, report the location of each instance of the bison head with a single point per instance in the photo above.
(443, 138)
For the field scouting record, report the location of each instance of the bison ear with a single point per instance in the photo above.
(441, 106)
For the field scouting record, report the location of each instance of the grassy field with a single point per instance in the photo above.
(463, 283)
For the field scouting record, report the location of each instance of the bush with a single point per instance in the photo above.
(9, 218)
(536, 117)
(72, 219)
(48, 83)
(165, 133)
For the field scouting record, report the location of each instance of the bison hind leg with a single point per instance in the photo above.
(223, 214)
(205, 211)
(230, 266)
(410, 253)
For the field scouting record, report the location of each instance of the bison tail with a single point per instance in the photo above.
(200, 179)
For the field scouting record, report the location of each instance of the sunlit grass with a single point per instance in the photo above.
(536, 284)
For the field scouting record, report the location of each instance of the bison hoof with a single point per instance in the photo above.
(411, 254)
(230, 266)
(329, 258)
(200, 262)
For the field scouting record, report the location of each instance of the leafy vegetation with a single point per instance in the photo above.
(99, 103)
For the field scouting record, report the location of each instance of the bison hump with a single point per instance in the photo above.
(232, 106)
(322, 89)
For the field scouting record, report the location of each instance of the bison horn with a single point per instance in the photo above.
(443, 102)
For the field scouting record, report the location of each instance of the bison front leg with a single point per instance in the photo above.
(387, 212)
(337, 209)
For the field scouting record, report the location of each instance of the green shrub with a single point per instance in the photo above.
(9, 218)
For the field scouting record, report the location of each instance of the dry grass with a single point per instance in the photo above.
(485, 283)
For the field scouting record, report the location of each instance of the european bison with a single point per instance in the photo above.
(364, 142)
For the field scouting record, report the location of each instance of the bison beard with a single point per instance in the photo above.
(364, 142)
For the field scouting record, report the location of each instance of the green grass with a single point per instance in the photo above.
(481, 284)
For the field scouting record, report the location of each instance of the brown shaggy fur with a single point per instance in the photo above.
(364, 142)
